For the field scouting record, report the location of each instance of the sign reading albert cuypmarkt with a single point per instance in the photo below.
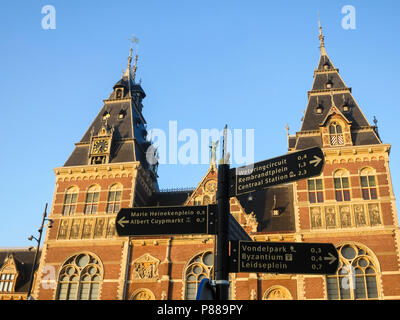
(283, 257)
(288, 168)
(143, 221)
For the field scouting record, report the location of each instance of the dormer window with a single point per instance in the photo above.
(329, 84)
(7, 282)
(336, 134)
(118, 93)
(346, 107)
(319, 109)
(326, 66)
(121, 114)
(106, 115)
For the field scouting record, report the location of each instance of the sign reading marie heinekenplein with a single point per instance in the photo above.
(146, 221)
(288, 168)
(283, 257)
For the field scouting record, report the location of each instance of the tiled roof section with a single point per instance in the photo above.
(262, 202)
(23, 259)
(172, 198)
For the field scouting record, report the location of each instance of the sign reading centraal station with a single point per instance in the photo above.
(288, 168)
(166, 220)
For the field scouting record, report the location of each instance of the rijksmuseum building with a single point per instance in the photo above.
(350, 204)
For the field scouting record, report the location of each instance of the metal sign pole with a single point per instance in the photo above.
(223, 209)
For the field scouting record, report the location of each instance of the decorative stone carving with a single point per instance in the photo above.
(251, 221)
(277, 293)
(143, 294)
(145, 268)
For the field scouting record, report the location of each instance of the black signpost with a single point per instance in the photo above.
(143, 221)
(235, 250)
(288, 168)
(283, 257)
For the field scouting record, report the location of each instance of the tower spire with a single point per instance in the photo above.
(321, 38)
(128, 68)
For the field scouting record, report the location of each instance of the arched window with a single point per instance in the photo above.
(92, 199)
(356, 277)
(198, 268)
(71, 196)
(114, 198)
(368, 184)
(336, 134)
(80, 278)
(342, 185)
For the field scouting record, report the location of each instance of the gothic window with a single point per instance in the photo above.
(336, 134)
(80, 278)
(356, 277)
(315, 193)
(114, 198)
(92, 199)
(198, 268)
(71, 196)
(342, 186)
(368, 184)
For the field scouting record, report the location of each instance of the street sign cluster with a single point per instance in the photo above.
(244, 254)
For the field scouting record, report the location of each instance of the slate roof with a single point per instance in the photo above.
(129, 137)
(321, 96)
(262, 203)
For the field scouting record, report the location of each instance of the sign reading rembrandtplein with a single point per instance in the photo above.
(283, 257)
(166, 220)
(288, 168)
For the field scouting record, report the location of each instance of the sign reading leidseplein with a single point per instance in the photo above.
(143, 221)
(283, 257)
(291, 167)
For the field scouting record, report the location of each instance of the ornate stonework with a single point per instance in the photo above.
(145, 268)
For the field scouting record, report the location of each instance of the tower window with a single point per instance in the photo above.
(121, 114)
(92, 199)
(106, 115)
(368, 185)
(315, 190)
(342, 186)
(329, 84)
(118, 94)
(71, 197)
(336, 134)
(114, 199)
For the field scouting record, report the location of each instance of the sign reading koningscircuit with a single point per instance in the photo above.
(288, 168)
(283, 257)
(145, 221)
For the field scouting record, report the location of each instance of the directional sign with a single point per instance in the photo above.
(166, 220)
(288, 168)
(283, 257)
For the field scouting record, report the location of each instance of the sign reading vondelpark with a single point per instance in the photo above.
(283, 257)
(288, 168)
(166, 220)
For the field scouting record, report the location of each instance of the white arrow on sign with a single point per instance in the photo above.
(122, 221)
(331, 258)
(316, 160)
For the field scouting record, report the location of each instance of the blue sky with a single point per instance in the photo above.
(203, 64)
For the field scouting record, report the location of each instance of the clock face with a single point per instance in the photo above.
(100, 146)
